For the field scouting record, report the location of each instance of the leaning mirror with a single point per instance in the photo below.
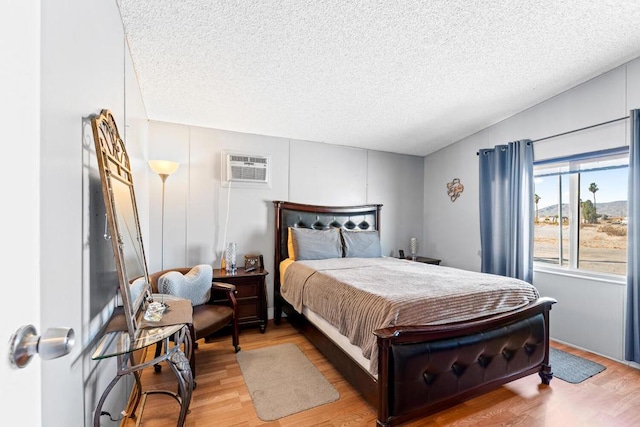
(122, 217)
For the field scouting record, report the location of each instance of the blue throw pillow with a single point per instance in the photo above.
(311, 244)
(361, 244)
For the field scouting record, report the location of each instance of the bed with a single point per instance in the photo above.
(416, 369)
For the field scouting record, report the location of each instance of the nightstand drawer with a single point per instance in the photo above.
(247, 290)
(248, 310)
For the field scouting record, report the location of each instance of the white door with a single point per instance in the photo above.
(19, 203)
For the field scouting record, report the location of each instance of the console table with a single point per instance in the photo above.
(119, 344)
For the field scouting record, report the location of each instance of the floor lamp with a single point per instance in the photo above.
(163, 168)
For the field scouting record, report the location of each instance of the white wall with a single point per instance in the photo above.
(590, 312)
(451, 229)
(395, 180)
(323, 174)
(84, 57)
(305, 172)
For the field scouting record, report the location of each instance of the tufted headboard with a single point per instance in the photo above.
(365, 217)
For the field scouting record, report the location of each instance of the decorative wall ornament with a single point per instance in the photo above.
(454, 189)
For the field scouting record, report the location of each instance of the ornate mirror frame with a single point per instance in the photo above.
(122, 216)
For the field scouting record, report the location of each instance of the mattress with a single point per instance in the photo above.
(357, 295)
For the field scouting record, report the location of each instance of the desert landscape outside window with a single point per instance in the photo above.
(580, 218)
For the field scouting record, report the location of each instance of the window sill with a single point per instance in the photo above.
(581, 274)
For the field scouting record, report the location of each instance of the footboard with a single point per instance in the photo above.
(423, 370)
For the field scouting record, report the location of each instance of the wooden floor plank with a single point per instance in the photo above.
(611, 398)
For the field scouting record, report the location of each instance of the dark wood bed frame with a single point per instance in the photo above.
(421, 369)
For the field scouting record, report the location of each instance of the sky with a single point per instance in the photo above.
(612, 186)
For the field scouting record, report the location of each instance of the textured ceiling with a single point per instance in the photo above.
(402, 76)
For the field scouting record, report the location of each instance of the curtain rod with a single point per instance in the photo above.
(576, 130)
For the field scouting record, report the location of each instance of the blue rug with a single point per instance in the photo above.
(570, 368)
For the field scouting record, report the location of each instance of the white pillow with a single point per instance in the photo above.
(194, 286)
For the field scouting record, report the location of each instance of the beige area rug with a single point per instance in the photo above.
(283, 381)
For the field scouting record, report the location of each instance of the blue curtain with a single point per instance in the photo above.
(632, 330)
(507, 209)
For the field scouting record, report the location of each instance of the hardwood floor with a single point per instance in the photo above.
(611, 398)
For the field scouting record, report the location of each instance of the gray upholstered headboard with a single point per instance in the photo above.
(365, 217)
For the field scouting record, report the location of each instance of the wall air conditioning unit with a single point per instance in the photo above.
(245, 170)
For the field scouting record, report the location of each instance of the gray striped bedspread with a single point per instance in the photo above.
(360, 295)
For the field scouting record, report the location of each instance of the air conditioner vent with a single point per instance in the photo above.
(248, 159)
(248, 172)
(246, 169)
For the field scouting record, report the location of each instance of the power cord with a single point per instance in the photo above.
(226, 223)
(102, 413)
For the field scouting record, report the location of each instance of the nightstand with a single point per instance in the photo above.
(426, 260)
(251, 295)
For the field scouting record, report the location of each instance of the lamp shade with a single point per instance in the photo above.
(163, 167)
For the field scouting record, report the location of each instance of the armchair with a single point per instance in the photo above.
(207, 318)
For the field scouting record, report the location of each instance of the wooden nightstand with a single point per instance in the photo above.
(251, 295)
(426, 260)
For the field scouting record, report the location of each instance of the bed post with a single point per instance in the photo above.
(383, 381)
(546, 374)
(277, 304)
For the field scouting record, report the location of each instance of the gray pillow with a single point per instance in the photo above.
(195, 285)
(316, 244)
(361, 244)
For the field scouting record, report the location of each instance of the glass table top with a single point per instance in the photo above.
(119, 342)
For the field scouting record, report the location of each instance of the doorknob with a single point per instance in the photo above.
(25, 342)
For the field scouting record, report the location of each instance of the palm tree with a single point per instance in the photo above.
(593, 188)
(536, 199)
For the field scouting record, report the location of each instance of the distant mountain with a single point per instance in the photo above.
(553, 210)
(612, 209)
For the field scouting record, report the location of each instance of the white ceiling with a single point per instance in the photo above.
(402, 76)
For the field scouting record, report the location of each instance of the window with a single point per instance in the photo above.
(580, 219)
